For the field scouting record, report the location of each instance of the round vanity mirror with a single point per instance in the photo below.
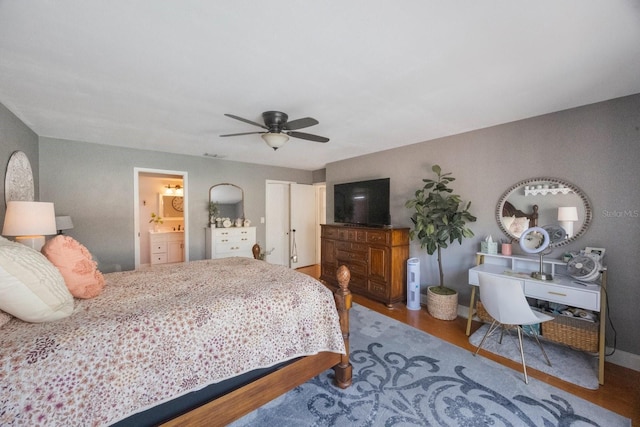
(534, 240)
(229, 199)
(557, 206)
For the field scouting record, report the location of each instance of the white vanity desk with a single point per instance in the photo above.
(562, 289)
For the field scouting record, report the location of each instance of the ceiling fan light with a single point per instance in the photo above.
(275, 140)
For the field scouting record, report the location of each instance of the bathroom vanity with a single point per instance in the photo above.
(166, 247)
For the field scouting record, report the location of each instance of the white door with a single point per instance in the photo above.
(303, 221)
(277, 223)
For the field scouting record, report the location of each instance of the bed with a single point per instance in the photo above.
(514, 221)
(158, 336)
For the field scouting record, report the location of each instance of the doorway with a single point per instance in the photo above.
(291, 206)
(150, 186)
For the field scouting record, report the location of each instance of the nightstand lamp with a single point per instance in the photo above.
(63, 223)
(29, 222)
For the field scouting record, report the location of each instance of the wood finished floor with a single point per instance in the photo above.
(620, 392)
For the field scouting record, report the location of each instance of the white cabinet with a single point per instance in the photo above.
(166, 247)
(229, 242)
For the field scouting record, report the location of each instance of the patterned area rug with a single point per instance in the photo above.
(405, 377)
(569, 365)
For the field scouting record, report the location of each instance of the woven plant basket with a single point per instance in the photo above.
(577, 333)
(443, 307)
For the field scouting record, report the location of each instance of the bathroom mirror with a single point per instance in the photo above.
(230, 200)
(171, 207)
(544, 202)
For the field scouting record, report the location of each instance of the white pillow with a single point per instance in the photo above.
(519, 225)
(507, 221)
(31, 288)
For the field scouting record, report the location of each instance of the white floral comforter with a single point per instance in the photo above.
(154, 335)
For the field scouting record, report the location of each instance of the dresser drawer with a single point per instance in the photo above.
(355, 267)
(329, 232)
(352, 256)
(377, 236)
(351, 246)
(378, 289)
(563, 295)
(230, 247)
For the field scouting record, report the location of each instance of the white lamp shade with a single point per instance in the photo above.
(275, 140)
(64, 223)
(568, 213)
(29, 219)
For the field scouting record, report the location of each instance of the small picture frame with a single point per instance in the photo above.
(599, 252)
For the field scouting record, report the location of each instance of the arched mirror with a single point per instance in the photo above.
(558, 206)
(229, 199)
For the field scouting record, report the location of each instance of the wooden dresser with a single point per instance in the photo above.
(376, 257)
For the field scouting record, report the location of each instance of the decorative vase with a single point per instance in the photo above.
(443, 307)
(156, 227)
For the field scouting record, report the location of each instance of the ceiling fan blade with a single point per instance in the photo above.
(308, 136)
(246, 121)
(242, 133)
(300, 123)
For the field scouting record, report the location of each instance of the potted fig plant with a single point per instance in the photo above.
(439, 220)
(213, 213)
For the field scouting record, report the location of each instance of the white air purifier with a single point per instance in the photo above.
(413, 284)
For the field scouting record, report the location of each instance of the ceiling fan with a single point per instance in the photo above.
(278, 129)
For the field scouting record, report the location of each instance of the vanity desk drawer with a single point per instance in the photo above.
(562, 294)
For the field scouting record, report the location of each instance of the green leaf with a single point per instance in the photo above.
(438, 218)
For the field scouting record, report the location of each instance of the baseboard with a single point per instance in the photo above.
(619, 357)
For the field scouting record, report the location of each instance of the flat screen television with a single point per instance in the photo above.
(364, 203)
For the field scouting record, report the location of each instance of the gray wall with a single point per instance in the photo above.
(16, 136)
(94, 185)
(596, 147)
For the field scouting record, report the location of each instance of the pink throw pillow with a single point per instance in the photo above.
(79, 270)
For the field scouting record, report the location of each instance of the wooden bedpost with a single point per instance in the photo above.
(342, 296)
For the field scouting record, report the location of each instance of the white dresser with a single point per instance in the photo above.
(229, 242)
(166, 247)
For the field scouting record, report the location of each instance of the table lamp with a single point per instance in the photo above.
(29, 222)
(63, 223)
(566, 216)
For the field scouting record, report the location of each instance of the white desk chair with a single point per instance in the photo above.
(504, 300)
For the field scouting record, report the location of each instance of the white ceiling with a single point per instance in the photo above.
(376, 74)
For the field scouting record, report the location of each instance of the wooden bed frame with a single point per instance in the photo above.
(243, 400)
(509, 210)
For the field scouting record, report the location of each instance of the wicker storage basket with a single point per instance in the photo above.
(576, 333)
(482, 313)
(443, 307)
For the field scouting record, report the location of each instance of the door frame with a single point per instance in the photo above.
(136, 208)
